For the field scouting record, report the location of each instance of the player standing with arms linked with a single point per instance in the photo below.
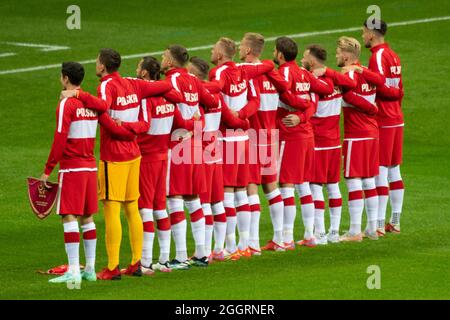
(390, 121)
(73, 149)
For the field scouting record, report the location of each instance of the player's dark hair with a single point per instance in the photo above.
(110, 58)
(74, 71)
(287, 47)
(179, 54)
(152, 66)
(378, 25)
(201, 65)
(318, 52)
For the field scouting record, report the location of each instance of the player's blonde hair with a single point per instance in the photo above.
(229, 47)
(255, 41)
(350, 45)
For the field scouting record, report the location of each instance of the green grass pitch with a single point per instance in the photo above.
(414, 265)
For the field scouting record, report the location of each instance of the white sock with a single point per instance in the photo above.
(307, 206)
(335, 205)
(230, 210)
(209, 227)
(90, 244)
(243, 218)
(72, 244)
(220, 226)
(178, 227)
(163, 224)
(197, 225)
(319, 209)
(289, 212)
(276, 209)
(255, 210)
(371, 203)
(355, 204)
(396, 193)
(383, 195)
(149, 235)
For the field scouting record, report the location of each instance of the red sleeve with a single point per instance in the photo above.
(283, 84)
(212, 87)
(106, 92)
(144, 117)
(63, 120)
(278, 81)
(313, 107)
(342, 80)
(322, 87)
(116, 131)
(152, 88)
(373, 63)
(253, 101)
(294, 101)
(360, 103)
(173, 96)
(253, 70)
(206, 98)
(180, 122)
(389, 93)
(137, 127)
(373, 77)
(215, 80)
(233, 122)
(92, 102)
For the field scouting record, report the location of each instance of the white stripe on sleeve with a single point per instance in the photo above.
(61, 114)
(252, 87)
(103, 88)
(144, 109)
(219, 71)
(174, 81)
(379, 58)
(286, 74)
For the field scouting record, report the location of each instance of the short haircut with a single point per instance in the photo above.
(318, 52)
(179, 54)
(350, 45)
(255, 41)
(229, 47)
(377, 25)
(153, 67)
(110, 58)
(74, 71)
(287, 47)
(201, 65)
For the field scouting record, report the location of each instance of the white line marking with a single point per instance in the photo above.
(199, 48)
(44, 47)
(7, 54)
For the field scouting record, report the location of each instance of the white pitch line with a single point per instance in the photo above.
(44, 47)
(7, 54)
(205, 47)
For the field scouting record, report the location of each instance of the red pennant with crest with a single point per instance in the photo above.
(42, 198)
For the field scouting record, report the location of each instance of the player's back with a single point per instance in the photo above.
(187, 84)
(124, 103)
(386, 62)
(154, 144)
(325, 121)
(265, 118)
(358, 124)
(80, 123)
(299, 84)
(234, 84)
